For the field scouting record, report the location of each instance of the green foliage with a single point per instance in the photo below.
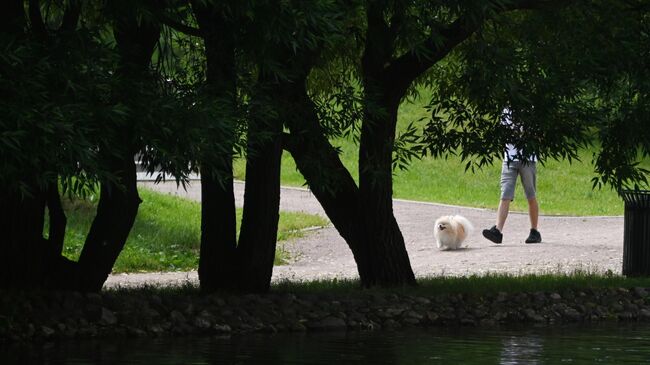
(64, 109)
(54, 109)
(572, 76)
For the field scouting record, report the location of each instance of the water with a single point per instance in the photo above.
(622, 344)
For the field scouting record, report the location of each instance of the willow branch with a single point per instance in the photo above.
(71, 16)
(36, 18)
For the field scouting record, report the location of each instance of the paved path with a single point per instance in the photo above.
(570, 243)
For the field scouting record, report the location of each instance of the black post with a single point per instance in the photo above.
(636, 237)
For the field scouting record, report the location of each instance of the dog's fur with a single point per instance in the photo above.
(451, 230)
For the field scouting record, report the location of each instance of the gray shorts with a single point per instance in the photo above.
(509, 173)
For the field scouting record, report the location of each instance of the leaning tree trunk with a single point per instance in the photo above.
(363, 216)
(319, 163)
(119, 199)
(116, 212)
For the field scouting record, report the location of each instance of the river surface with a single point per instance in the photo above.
(599, 344)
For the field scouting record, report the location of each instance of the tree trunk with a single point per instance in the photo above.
(218, 259)
(320, 165)
(58, 221)
(259, 230)
(25, 249)
(119, 199)
(363, 216)
(35, 262)
(384, 252)
(60, 272)
(12, 17)
(387, 262)
(116, 212)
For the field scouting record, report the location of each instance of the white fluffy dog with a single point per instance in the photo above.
(451, 230)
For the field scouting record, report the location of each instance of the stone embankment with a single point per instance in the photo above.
(145, 313)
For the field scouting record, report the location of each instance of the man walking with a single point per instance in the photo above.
(511, 168)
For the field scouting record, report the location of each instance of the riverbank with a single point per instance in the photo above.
(184, 311)
(169, 304)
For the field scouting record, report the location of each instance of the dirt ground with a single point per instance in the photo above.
(569, 243)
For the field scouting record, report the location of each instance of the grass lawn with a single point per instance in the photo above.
(437, 285)
(563, 188)
(166, 233)
(475, 284)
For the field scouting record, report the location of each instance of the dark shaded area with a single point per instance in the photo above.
(620, 344)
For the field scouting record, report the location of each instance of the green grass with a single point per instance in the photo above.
(439, 285)
(166, 233)
(563, 188)
(475, 284)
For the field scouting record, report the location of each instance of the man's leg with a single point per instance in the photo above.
(508, 180)
(494, 234)
(528, 180)
(502, 213)
(533, 212)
